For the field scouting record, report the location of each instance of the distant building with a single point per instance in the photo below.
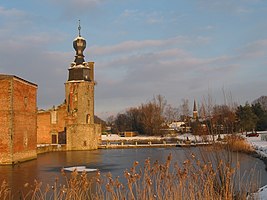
(128, 134)
(180, 126)
(18, 111)
(177, 125)
(195, 112)
(72, 123)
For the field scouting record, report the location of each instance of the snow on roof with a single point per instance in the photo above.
(78, 37)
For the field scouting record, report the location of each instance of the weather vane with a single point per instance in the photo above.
(79, 28)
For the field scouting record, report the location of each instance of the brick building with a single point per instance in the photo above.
(72, 123)
(51, 125)
(18, 111)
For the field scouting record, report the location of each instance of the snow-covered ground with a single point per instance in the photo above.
(259, 145)
(261, 148)
(115, 137)
(262, 193)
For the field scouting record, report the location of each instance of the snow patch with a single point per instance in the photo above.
(80, 169)
(261, 148)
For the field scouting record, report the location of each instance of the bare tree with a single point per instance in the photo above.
(207, 109)
(147, 119)
(171, 114)
(135, 118)
(160, 102)
(184, 108)
(152, 118)
(224, 119)
(110, 120)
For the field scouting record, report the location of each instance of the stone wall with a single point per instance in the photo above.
(80, 102)
(82, 133)
(83, 136)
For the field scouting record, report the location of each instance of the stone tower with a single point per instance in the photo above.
(81, 132)
(195, 113)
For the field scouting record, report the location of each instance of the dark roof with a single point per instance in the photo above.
(6, 76)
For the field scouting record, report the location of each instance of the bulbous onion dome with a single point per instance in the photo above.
(79, 44)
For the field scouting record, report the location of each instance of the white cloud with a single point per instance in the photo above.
(73, 4)
(75, 8)
(242, 10)
(160, 69)
(130, 13)
(232, 6)
(12, 20)
(4, 12)
(149, 17)
(254, 50)
(167, 70)
(146, 45)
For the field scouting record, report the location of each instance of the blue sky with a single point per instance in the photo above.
(179, 49)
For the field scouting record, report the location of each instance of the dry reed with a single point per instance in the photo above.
(238, 143)
(211, 174)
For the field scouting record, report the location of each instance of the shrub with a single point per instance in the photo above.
(238, 143)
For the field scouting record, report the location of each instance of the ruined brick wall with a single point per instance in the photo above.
(43, 127)
(25, 126)
(18, 119)
(5, 120)
(50, 122)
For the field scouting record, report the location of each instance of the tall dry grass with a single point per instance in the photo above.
(238, 143)
(211, 174)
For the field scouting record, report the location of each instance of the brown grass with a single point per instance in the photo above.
(203, 176)
(238, 143)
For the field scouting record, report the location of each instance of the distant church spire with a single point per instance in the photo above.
(195, 113)
(195, 106)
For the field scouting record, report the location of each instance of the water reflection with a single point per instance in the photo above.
(47, 167)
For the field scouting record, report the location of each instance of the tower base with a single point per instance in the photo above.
(83, 136)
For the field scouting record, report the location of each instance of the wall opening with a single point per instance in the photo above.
(53, 116)
(88, 118)
(54, 139)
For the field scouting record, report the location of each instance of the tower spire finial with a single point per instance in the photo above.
(79, 28)
(79, 44)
